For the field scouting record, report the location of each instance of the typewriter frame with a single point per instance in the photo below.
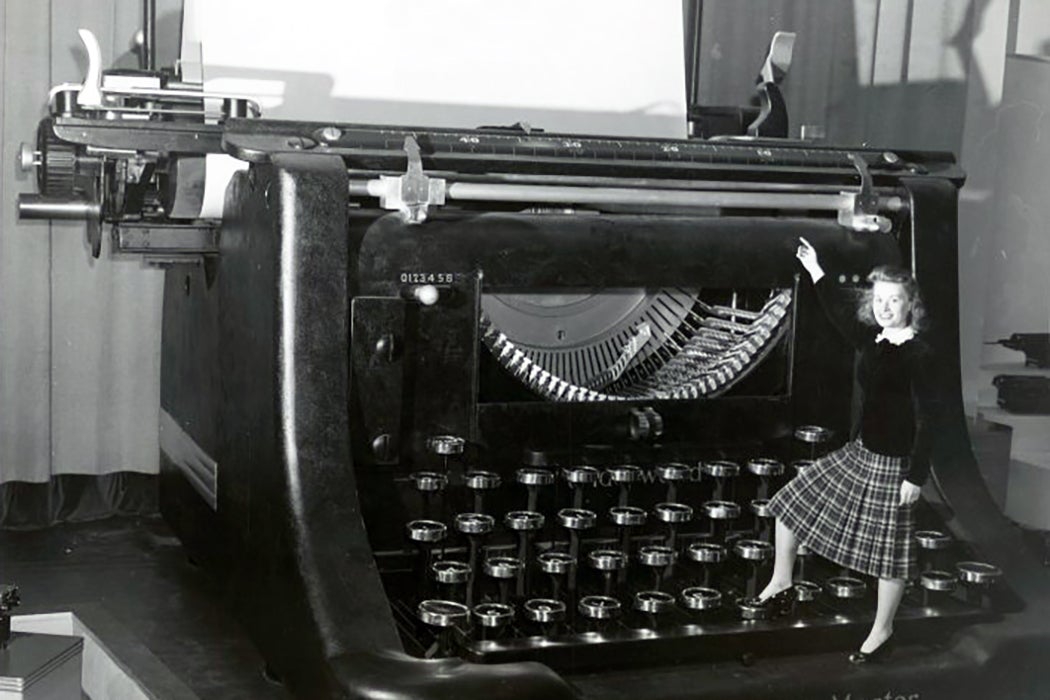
(271, 367)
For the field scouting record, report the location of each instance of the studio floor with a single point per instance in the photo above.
(157, 607)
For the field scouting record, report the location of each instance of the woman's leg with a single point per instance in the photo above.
(891, 590)
(783, 561)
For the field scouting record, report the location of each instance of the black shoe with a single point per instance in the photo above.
(859, 658)
(779, 602)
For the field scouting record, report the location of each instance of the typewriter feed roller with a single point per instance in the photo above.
(492, 414)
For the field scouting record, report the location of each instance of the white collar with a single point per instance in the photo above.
(896, 336)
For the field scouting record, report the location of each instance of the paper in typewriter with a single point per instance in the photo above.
(603, 68)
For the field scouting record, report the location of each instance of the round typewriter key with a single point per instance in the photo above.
(722, 510)
(977, 572)
(446, 445)
(482, 480)
(429, 481)
(812, 434)
(764, 466)
(807, 591)
(577, 518)
(581, 476)
(845, 587)
(720, 468)
(627, 516)
(450, 572)
(544, 610)
(442, 613)
(523, 520)
(672, 471)
(701, 598)
(707, 552)
(653, 602)
(657, 555)
(938, 581)
(802, 465)
(532, 476)
(675, 513)
(607, 559)
(492, 614)
(753, 550)
(933, 540)
(555, 562)
(750, 610)
(760, 507)
(502, 567)
(599, 607)
(426, 531)
(474, 523)
(624, 473)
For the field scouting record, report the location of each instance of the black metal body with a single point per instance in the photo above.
(306, 371)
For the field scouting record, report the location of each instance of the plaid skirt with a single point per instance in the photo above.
(845, 508)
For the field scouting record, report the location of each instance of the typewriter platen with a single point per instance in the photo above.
(496, 413)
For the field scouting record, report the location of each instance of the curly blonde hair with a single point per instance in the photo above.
(903, 277)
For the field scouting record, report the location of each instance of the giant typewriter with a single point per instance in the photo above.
(498, 412)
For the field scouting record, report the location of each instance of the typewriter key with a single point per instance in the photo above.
(933, 546)
(425, 534)
(814, 439)
(504, 570)
(672, 473)
(526, 524)
(721, 514)
(491, 618)
(721, 471)
(476, 526)
(765, 469)
(708, 555)
(534, 478)
(701, 598)
(547, 613)
(755, 553)
(599, 609)
(763, 519)
(608, 562)
(845, 587)
(624, 475)
(451, 575)
(480, 483)
(979, 579)
(936, 584)
(673, 515)
(557, 566)
(653, 604)
(578, 478)
(576, 520)
(659, 558)
(444, 616)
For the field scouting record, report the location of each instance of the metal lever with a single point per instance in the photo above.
(90, 94)
(860, 212)
(413, 193)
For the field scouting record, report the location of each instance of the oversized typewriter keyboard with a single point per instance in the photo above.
(583, 562)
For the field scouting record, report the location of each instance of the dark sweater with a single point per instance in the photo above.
(899, 399)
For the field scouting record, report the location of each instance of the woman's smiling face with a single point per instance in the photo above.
(890, 304)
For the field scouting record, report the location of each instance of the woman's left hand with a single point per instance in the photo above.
(909, 493)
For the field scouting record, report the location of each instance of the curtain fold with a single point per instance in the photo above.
(76, 498)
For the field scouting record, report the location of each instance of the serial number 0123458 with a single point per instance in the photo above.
(426, 278)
